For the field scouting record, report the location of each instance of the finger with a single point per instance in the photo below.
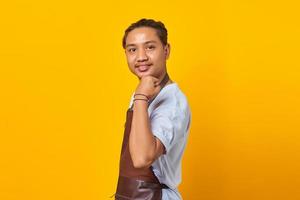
(154, 79)
(157, 89)
(156, 83)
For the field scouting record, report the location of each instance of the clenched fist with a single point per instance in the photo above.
(149, 86)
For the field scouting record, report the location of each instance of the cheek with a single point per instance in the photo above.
(130, 60)
(130, 63)
(158, 56)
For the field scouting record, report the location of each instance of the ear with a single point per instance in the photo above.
(167, 50)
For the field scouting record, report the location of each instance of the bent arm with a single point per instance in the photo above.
(144, 147)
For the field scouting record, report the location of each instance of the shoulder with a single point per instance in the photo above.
(172, 101)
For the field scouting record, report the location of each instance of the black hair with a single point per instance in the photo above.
(157, 25)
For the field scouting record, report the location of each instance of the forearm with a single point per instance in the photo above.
(142, 143)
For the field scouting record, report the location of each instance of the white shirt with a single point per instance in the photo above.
(170, 118)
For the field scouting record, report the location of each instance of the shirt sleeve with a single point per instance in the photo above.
(163, 126)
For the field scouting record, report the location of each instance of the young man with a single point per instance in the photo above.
(158, 119)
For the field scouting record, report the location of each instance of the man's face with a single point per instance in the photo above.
(146, 55)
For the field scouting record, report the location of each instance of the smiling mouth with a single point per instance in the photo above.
(143, 68)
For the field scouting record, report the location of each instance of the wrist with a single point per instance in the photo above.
(140, 100)
(141, 103)
(140, 95)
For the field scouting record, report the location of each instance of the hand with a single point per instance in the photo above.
(149, 85)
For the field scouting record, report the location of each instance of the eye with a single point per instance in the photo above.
(151, 47)
(131, 50)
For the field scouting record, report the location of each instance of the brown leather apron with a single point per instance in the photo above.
(136, 183)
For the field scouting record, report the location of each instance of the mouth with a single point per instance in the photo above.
(143, 68)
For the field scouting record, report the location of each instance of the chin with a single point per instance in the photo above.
(141, 74)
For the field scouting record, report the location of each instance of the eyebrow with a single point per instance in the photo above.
(150, 41)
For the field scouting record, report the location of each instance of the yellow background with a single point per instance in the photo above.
(65, 88)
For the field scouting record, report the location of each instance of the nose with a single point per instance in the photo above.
(142, 56)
